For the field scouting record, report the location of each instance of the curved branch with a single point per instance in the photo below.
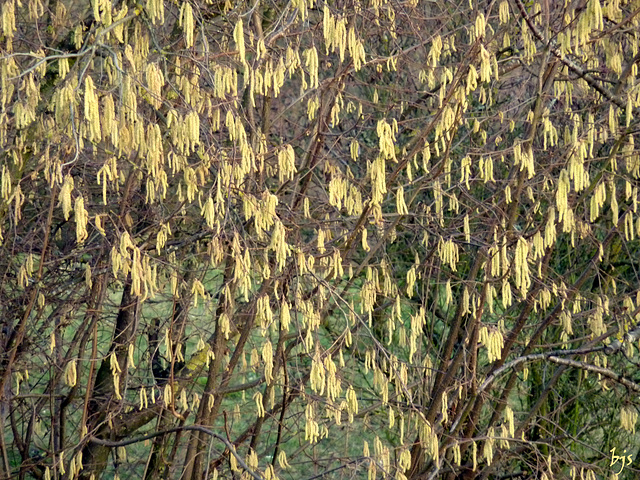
(555, 358)
(198, 428)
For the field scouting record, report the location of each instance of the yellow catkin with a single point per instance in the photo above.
(238, 37)
(65, 196)
(92, 110)
(81, 218)
(71, 375)
(186, 22)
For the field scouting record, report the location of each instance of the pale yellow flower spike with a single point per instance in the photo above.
(238, 37)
